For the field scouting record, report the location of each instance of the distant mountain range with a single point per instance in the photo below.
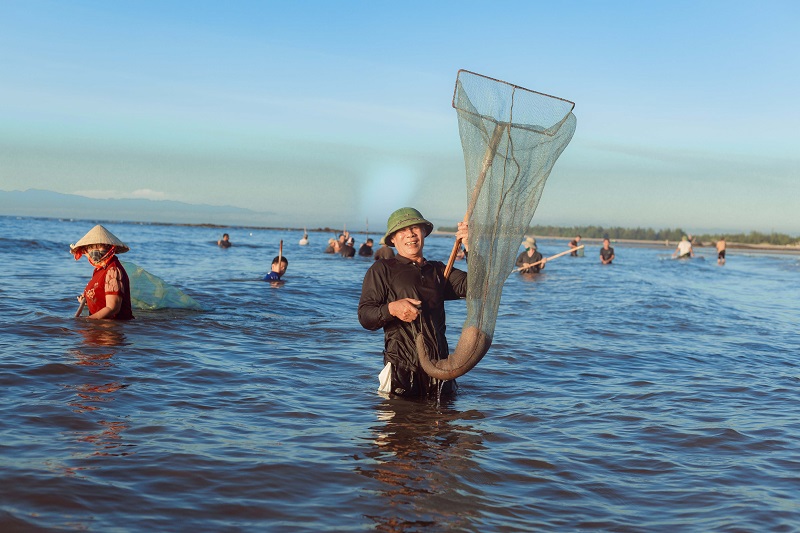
(39, 203)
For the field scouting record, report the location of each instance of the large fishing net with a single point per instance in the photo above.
(148, 291)
(511, 139)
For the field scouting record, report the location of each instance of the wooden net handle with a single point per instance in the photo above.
(491, 150)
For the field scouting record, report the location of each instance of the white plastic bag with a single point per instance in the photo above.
(385, 379)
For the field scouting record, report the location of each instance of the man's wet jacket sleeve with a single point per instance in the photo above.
(373, 308)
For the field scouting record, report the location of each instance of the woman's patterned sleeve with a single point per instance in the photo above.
(114, 281)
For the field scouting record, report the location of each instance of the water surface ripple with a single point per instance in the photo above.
(650, 395)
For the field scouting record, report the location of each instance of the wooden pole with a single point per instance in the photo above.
(80, 307)
(488, 158)
(549, 258)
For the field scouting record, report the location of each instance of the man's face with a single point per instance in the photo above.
(409, 241)
(280, 268)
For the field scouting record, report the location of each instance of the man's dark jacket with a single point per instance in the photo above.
(399, 277)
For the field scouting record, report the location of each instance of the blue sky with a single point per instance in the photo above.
(335, 113)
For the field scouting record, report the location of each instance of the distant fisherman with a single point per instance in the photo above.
(721, 251)
(108, 294)
(278, 269)
(574, 243)
(606, 253)
(366, 249)
(684, 249)
(224, 242)
(347, 249)
(529, 257)
(385, 251)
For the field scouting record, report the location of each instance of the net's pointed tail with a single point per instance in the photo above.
(472, 346)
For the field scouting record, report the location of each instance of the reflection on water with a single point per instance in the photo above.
(93, 398)
(422, 455)
(89, 394)
(101, 333)
(108, 441)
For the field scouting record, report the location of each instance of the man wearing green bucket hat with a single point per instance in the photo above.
(405, 296)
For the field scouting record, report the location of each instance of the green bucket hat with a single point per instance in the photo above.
(403, 218)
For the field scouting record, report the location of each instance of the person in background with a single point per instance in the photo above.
(405, 295)
(366, 249)
(529, 257)
(684, 249)
(224, 242)
(331, 249)
(721, 251)
(348, 250)
(574, 243)
(304, 240)
(606, 253)
(344, 236)
(339, 243)
(108, 293)
(385, 251)
(279, 266)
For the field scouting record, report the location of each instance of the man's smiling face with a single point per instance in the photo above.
(409, 242)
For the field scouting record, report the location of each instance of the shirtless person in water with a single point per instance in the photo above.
(721, 251)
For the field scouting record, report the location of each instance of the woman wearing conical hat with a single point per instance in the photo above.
(108, 294)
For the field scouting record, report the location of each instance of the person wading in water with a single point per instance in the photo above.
(405, 295)
(108, 293)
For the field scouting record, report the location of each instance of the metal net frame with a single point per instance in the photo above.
(511, 138)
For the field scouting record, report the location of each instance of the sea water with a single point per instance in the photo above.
(648, 395)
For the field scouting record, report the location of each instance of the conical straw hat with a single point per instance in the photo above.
(100, 235)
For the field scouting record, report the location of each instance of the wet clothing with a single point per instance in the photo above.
(607, 254)
(573, 244)
(348, 251)
(272, 276)
(524, 258)
(109, 280)
(365, 250)
(721, 254)
(684, 249)
(384, 252)
(224, 244)
(393, 279)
